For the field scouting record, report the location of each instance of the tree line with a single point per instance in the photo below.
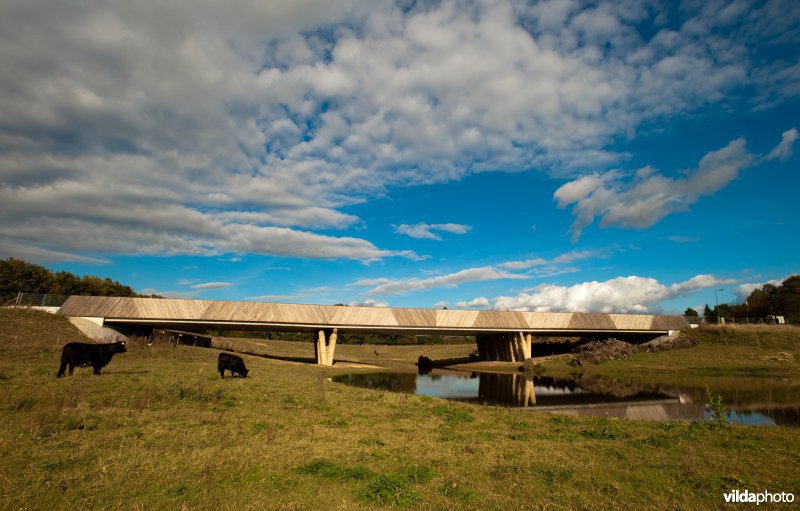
(19, 276)
(767, 301)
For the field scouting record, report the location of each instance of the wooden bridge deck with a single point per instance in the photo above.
(211, 314)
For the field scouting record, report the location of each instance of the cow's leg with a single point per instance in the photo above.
(62, 368)
(71, 368)
(222, 373)
(96, 368)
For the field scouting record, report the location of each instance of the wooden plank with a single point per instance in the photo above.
(631, 321)
(422, 318)
(363, 316)
(591, 321)
(455, 318)
(504, 320)
(547, 320)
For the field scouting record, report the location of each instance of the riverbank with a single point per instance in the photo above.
(160, 430)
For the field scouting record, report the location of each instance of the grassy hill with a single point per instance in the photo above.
(160, 430)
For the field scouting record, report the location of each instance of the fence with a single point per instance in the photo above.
(40, 300)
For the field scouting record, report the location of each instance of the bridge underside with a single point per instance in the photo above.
(500, 335)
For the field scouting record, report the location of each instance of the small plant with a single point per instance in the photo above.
(718, 410)
(333, 471)
(459, 492)
(453, 416)
(611, 431)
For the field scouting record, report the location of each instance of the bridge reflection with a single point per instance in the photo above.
(565, 396)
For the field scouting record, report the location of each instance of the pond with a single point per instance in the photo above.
(754, 403)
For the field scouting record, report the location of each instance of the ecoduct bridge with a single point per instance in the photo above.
(501, 335)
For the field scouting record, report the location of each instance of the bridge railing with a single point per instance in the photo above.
(40, 300)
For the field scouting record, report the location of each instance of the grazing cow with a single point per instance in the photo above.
(84, 354)
(232, 363)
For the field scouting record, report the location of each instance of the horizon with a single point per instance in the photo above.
(554, 156)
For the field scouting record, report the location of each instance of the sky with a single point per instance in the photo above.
(625, 156)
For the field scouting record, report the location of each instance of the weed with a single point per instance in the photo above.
(657, 441)
(334, 422)
(718, 409)
(333, 471)
(610, 431)
(370, 441)
(453, 416)
(552, 475)
(458, 492)
(390, 489)
(25, 403)
(258, 427)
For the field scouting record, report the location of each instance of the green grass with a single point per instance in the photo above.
(160, 430)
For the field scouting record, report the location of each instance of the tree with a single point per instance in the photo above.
(17, 276)
(708, 316)
(787, 299)
(691, 313)
(761, 302)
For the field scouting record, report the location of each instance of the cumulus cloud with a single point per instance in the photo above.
(641, 200)
(623, 294)
(536, 267)
(743, 290)
(425, 231)
(481, 301)
(384, 286)
(189, 126)
(369, 302)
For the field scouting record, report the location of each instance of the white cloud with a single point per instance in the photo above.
(623, 294)
(385, 286)
(743, 291)
(440, 304)
(425, 231)
(684, 239)
(783, 150)
(481, 301)
(575, 255)
(648, 196)
(211, 285)
(369, 302)
(275, 298)
(163, 125)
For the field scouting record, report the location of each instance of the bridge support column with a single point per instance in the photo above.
(504, 347)
(324, 347)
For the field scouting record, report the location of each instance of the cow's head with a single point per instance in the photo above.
(244, 373)
(121, 347)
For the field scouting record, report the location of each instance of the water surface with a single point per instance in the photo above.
(592, 397)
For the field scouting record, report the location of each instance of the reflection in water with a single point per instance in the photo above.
(592, 397)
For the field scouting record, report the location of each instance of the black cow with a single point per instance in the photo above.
(232, 363)
(83, 354)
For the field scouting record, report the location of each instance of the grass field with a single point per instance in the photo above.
(160, 430)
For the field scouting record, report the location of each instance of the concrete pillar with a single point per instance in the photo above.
(324, 347)
(526, 346)
(331, 347)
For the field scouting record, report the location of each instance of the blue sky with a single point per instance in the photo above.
(590, 156)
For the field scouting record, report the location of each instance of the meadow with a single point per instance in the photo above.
(159, 429)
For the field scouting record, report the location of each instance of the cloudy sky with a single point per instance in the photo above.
(559, 155)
